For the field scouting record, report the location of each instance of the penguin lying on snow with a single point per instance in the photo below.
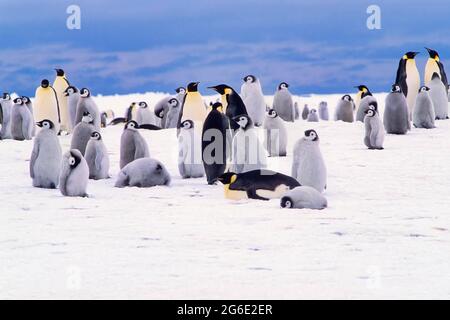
(74, 175)
(303, 197)
(256, 184)
(143, 173)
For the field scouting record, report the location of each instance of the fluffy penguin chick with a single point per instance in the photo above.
(305, 112)
(144, 115)
(45, 162)
(74, 175)
(87, 104)
(323, 111)
(82, 133)
(423, 115)
(275, 135)
(345, 109)
(312, 116)
(364, 106)
(6, 105)
(143, 173)
(252, 95)
(304, 197)
(21, 121)
(396, 117)
(283, 103)
(173, 113)
(97, 157)
(132, 144)
(308, 166)
(438, 94)
(190, 151)
(374, 128)
(73, 97)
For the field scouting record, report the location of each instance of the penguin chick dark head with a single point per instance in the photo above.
(173, 102)
(217, 106)
(243, 121)
(87, 117)
(18, 101)
(424, 89)
(370, 112)
(222, 89)
(70, 90)
(433, 54)
(311, 135)
(45, 124)
(143, 104)
(96, 135)
(227, 178)
(187, 124)
(85, 93)
(272, 113)
(283, 85)
(373, 105)
(249, 78)
(192, 87)
(313, 111)
(131, 125)
(180, 90)
(59, 72)
(26, 99)
(45, 83)
(396, 88)
(6, 96)
(347, 98)
(74, 158)
(410, 55)
(286, 202)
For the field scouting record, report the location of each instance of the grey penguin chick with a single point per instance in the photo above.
(27, 101)
(132, 145)
(97, 157)
(305, 112)
(21, 121)
(366, 101)
(6, 105)
(173, 114)
(143, 173)
(304, 197)
(323, 111)
(73, 97)
(190, 162)
(423, 113)
(312, 116)
(144, 115)
(438, 94)
(45, 162)
(82, 133)
(345, 109)
(283, 103)
(74, 175)
(374, 129)
(275, 134)
(396, 114)
(87, 104)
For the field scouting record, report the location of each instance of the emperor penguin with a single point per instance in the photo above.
(60, 85)
(312, 116)
(143, 173)
(308, 166)
(366, 100)
(73, 97)
(275, 135)
(232, 104)
(46, 157)
(87, 104)
(396, 116)
(323, 111)
(6, 105)
(345, 109)
(97, 157)
(438, 94)
(74, 175)
(190, 151)
(423, 115)
(296, 111)
(374, 130)
(173, 113)
(46, 105)
(253, 97)
(215, 141)
(363, 91)
(304, 197)
(247, 151)
(21, 121)
(283, 103)
(408, 78)
(82, 133)
(144, 115)
(434, 65)
(256, 184)
(193, 106)
(305, 112)
(132, 145)
(27, 101)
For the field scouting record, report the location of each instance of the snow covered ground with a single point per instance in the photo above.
(385, 233)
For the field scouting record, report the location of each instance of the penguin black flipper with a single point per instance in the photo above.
(443, 74)
(149, 127)
(251, 194)
(401, 77)
(117, 121)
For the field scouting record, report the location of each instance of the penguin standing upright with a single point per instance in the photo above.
(60, 85)
(305, 112)
(144, 115)
(27, 101)
(46, 105)
(363, 91)
(247, 151)
(374, 136)
(253, 97)
(82, 133)
(438, 94)
(312, 116)
(323, 111)
(275, 135)
(45, 162)
(193, 107)
(73, 97)
(308, 166)
(173, 114)
(181, 93)
(283, 103)
(366, 99)
(345, 109)
(215, 137)
(190, 151)
(161, 111)
(423, 115)
(434, 65)
(21, 121)
(396, 116)
(87, 104)
(132, 145)
(74, 175)
(408, 78)
(97, 157)
(6, 105)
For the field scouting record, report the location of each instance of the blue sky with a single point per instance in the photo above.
(138, 46)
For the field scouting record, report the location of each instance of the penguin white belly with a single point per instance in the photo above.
(413, 83)
(430, 69)
(194, 108)
(273, 194)
(235, 194)
(60, 86)
(46, 108)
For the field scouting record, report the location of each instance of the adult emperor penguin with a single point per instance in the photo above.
(45, 162)
(215, 141)
(143, 173)
(345, 109)
(73, 97)
(313, 116)
(256, 184)
(308, 166)
(132, 145)
(232, 104)
(396, 117)
(74, 175)
(97, 157)
(21, 121)
(438, 94)
(305, 112)
(6, 105)
(433, 65)
(275, 135)
(408, 78)
(366, 100)
(46, 105)
(27, 101)
(363, 91)
(190, 151)
(60, 85)
(304, 197)
(144, 115)
(173, 114)
(253, 97)
(247, 151)
(193, 107)
(82, 133)
(323, 111)
(283, 103)
(423, 115)
(374, 129)
(87, 104)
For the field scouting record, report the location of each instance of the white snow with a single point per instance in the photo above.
(384, 235)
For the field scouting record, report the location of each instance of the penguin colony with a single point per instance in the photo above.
(218, 142)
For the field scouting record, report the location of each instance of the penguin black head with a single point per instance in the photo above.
(410, 55)
(243, 121)
(18, 101)
(59, 72)
(396, 88)
(373, 105)
(370, 112)
(313, 111)
(347, 98)
(6, 96)
(283, 85)
(26, 99)
(75, 158)
(160, 114)
(364, 91)
(222, 89)
(45, 83)
(143, 104)
(435, 75)
(180, 90)
(272, 113)
(87, 117)
(173, 102)
(424, 89)
(286, 202)
(85, 93)
(227, 177)
(192, 87)
(311, 135)
(217, 106)
(249, 78)
(96, 135)
(46, 124)
(70, 90)
(187, 124)
(132, 125)
(433, 54)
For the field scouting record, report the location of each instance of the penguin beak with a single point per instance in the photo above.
(213, 88)
(39, 124)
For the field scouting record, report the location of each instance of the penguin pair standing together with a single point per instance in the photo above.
(16, 118)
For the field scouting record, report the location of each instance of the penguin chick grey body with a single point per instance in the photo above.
(323, 111)
(252, 95)
(423, 114)
(27, 101)
(305, 112)
(144, 115)
(366, 101)
(45, 162)
(21, 121)
(396, 116)
(173, 113)
(283, 103)
(303, 197)
(374, 129)
(312, 116)
(275, 135)
(438, 94)
(74, 175)
(143, 173)
(82, 133)
(190, 151)
(73, 97)
(97, 157)
(6, 105)
(345, 109)
(87, 104)
(132, 145)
